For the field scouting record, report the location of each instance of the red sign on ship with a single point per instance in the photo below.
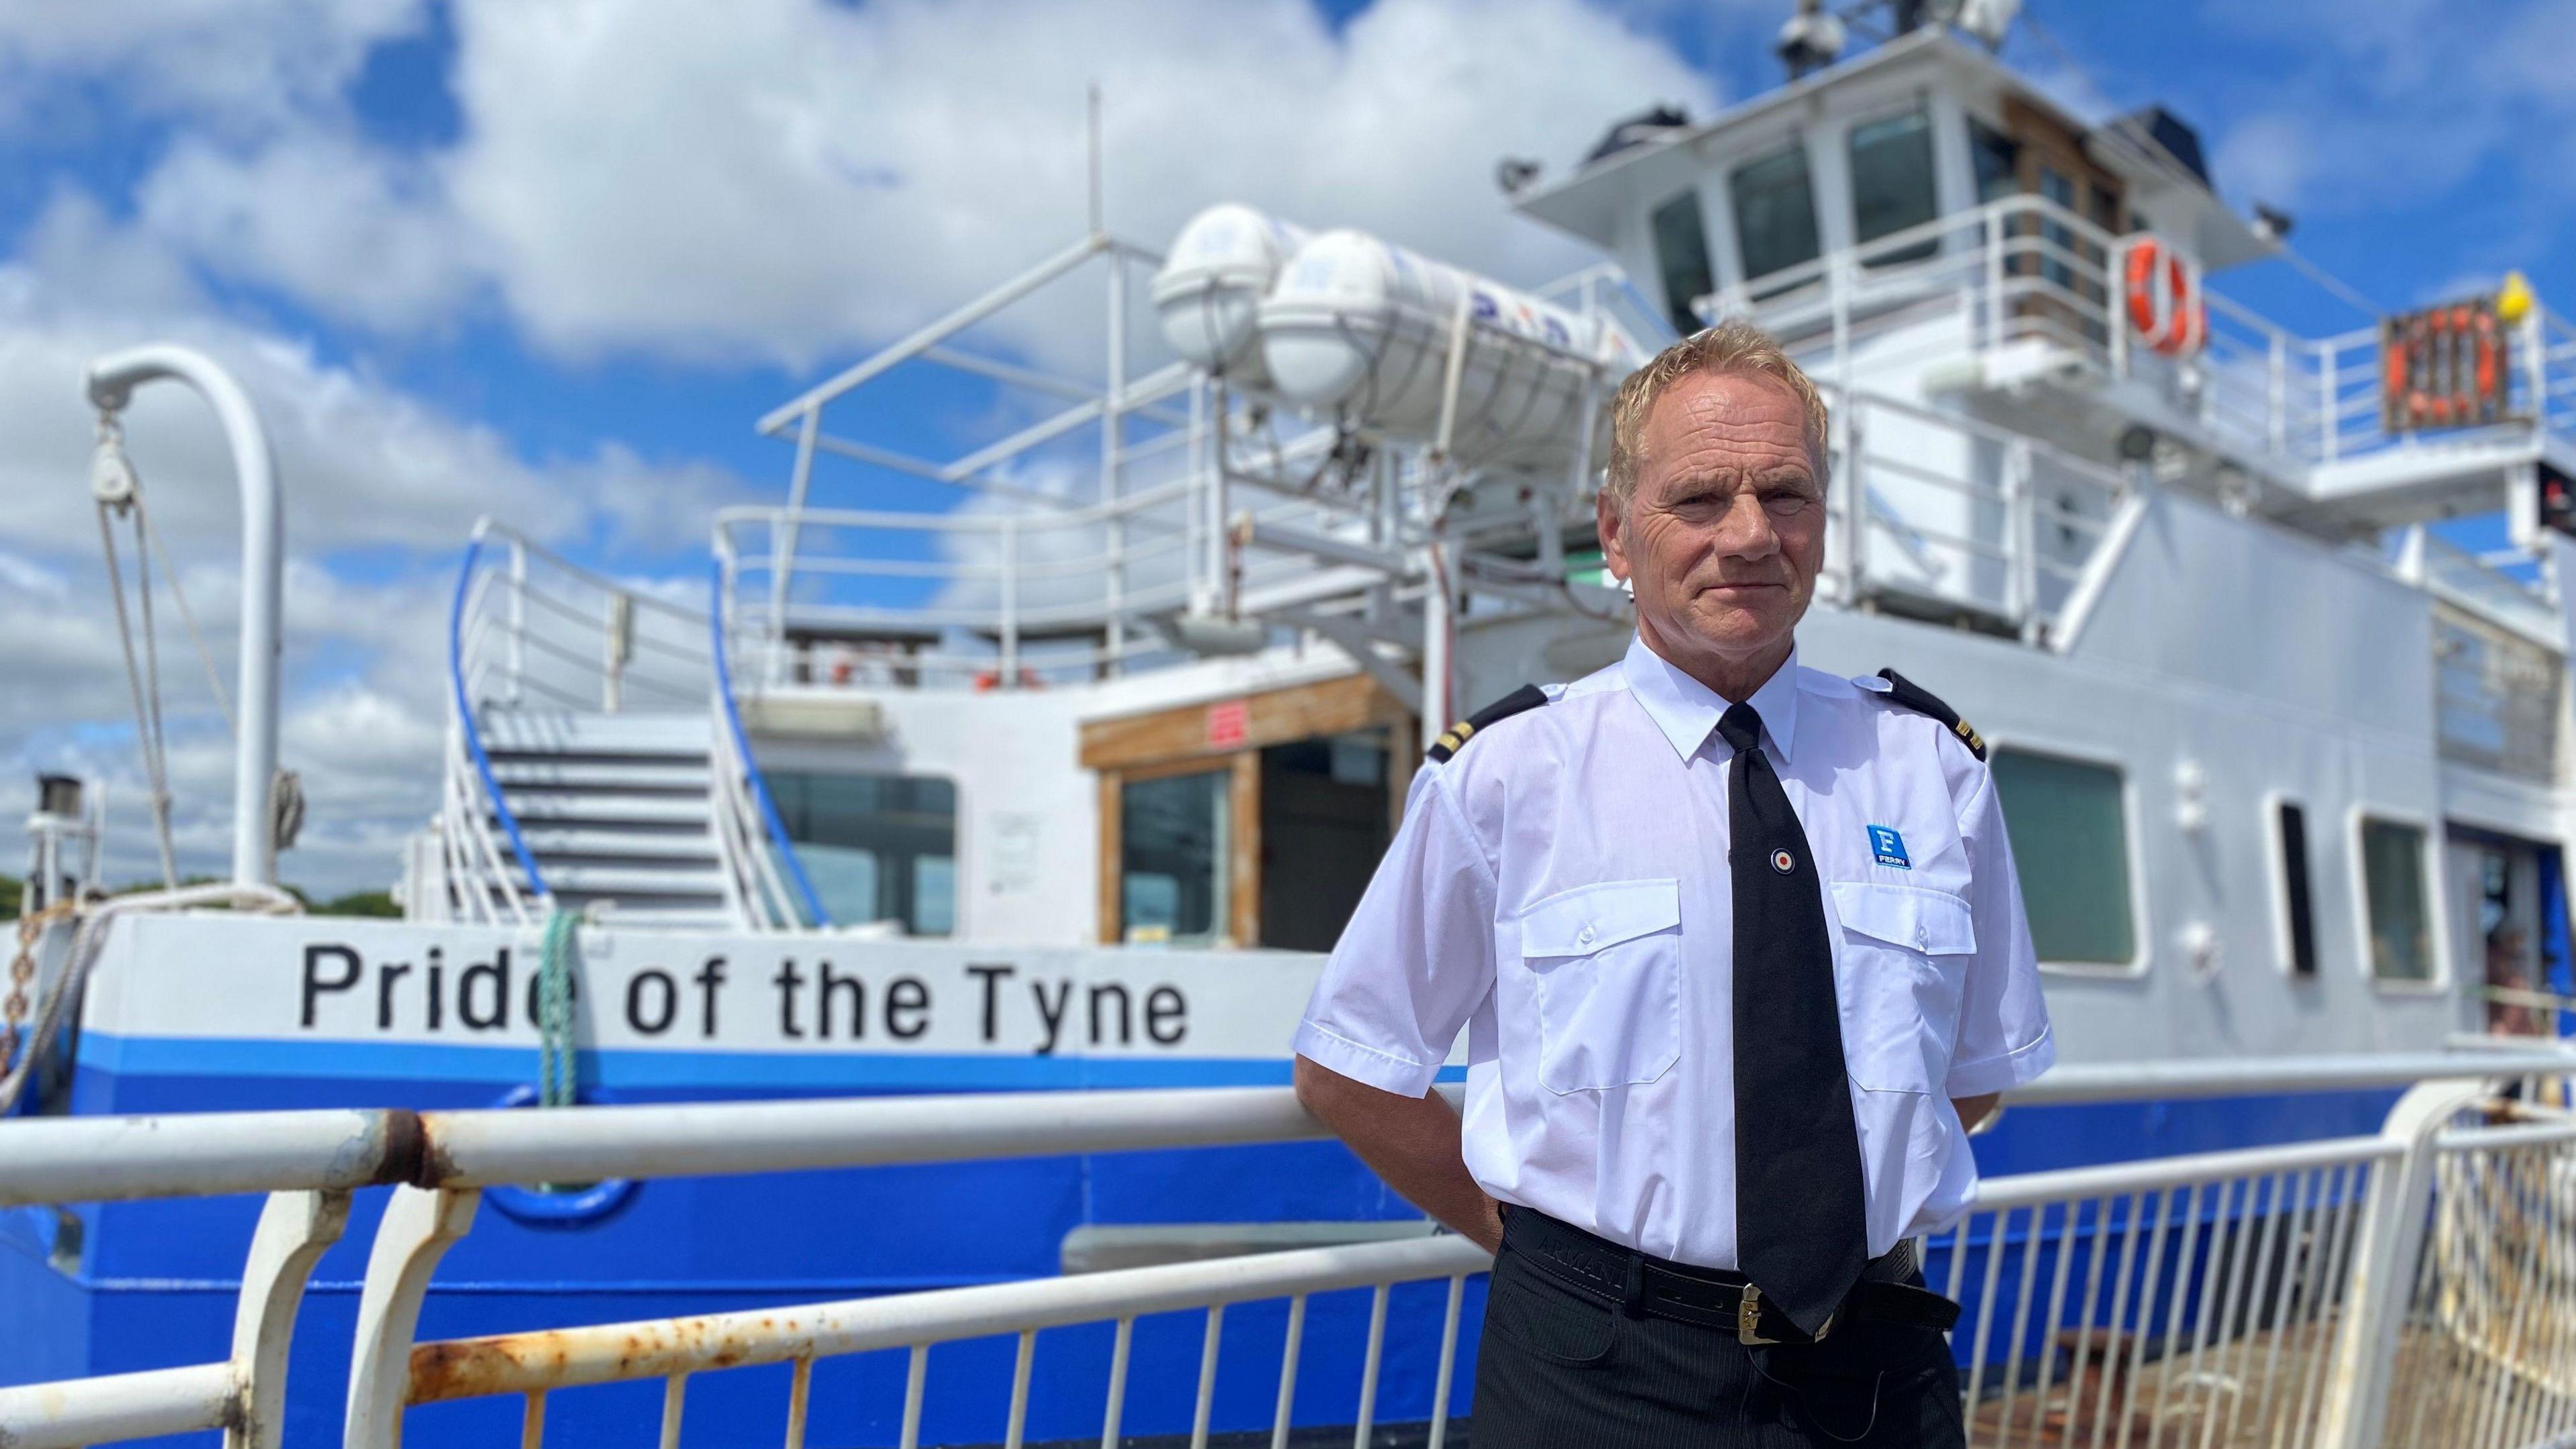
(1229, 724)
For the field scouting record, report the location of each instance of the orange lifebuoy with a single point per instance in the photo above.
(2185, 326)
(2487, 356)
(991, 679)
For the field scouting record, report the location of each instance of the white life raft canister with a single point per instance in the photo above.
(1208, 294)
(1363, 327)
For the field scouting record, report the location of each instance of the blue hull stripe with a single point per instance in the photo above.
(662, 1070)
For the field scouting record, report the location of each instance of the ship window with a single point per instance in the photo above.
(2298, 908)
(1775, 213)
(2106, 209)
(1997, 159)
(876, 847)
(2057, 238)
(1174, 865)
(2400, 905)
(1681, 255)
(1891, 182)
(2068, 822)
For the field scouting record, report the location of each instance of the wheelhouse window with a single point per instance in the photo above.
(878, 848)
(1174, 856)
(2104, 210)
(2398, 901)
(1891, 183)
(2298, 906)
(2056, 186)
(1775, 213)
(2068, 822)
(1681, 257)
(1996, 159)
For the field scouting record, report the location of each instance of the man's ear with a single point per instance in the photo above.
(1606, 520)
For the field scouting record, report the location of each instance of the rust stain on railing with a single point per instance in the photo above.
(557, 1358)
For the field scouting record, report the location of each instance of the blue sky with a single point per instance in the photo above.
(549, 259)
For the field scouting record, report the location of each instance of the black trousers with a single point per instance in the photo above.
(1559, 1369)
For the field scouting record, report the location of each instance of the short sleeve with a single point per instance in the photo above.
(2003, 1037)
(1417, 957)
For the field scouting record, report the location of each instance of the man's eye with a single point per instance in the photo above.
(1785, 505)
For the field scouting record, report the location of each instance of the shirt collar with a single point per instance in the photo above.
(1687, 711)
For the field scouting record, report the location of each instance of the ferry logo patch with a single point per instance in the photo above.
(1888, 847)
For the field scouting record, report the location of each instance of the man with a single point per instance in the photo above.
(1738, 949)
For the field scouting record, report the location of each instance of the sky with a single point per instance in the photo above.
(548, 260)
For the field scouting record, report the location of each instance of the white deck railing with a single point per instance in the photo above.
(2285, 1296)
(531, 630)
(2035, 287)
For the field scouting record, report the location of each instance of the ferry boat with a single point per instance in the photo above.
(1068, 784)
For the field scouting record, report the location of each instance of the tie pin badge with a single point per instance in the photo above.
(1783, 862)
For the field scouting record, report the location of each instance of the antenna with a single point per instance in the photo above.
(1099, 206)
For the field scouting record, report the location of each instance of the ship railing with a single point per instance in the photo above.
(2037, 287)
(540, 631)
(1137, 508)
(764, 878)
(531, 631)
(2486, 1351)
(2207, 1282)
(993, 599)
(1951, 513)
(1118, 430)
(2472, 581)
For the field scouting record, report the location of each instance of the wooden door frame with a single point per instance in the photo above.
(1158, 744)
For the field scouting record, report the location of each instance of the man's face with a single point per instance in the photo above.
(1727, 528)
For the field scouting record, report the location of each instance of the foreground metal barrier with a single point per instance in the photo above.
(534, 1364)
(2190, 1299)
(2412, 1287)
(2487, 1346)
(245, 1396)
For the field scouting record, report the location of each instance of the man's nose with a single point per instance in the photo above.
(1745, 530)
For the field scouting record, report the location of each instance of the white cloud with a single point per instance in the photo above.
(357, 232)
(242, 66)
(777, 179)
(366, 467)
(785, 177)
(362, 462)
(366, 746)
(2267, 158)
(2362, 108)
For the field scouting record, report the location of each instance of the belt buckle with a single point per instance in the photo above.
(1748, 1318)
(1748, 1321)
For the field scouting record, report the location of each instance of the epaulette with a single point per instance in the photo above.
(1527, 697)
(1915, 697)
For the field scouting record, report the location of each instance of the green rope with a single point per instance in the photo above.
(554, 1013)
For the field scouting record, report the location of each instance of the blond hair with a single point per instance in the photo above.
(1734, 347)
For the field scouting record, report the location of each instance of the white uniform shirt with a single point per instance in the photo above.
(1560, 889)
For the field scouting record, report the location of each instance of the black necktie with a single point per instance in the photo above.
(1800, 1233)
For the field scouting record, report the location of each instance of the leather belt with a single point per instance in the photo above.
(1640, 1283)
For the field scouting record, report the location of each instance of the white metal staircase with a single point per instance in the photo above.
(594, 761)
(614, 809)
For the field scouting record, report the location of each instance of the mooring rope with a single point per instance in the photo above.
(554, 1012)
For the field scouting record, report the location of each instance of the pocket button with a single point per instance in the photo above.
(1584, 937)
(1922, 938)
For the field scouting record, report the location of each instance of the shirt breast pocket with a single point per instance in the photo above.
(1607, 959)
(1904, 966)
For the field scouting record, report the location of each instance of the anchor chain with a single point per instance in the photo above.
(22, 979)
